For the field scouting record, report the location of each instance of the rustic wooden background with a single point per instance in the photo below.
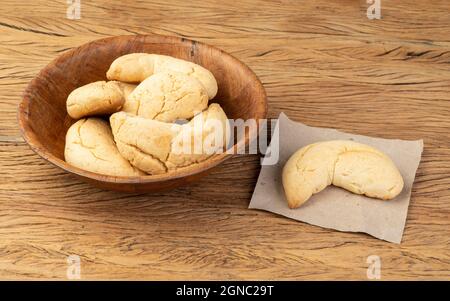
(322, 62)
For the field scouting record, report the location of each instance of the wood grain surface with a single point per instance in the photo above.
(322, 62)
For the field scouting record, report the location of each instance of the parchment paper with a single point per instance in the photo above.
(335, 207)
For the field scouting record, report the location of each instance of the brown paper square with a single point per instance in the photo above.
(334, 207)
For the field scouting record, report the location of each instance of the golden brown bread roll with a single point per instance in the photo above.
(90, 146)
(157, 147)
(356, 167)
(136, 67)
(96, 98)
(167, 97)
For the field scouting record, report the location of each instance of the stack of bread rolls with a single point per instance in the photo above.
(146, 97)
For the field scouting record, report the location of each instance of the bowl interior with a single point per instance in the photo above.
(43, 117)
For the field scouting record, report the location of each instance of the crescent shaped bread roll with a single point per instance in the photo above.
(136, 67)
(153, 146)
(167, 97)
(96, 98)
(90, 146)
(353, 166)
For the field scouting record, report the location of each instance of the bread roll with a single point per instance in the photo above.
(136, 67)
(167, 97)
(97, 98)
(90, 146)
(157, 147)
(356, 167)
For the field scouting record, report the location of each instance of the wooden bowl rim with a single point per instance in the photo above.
(31, 138)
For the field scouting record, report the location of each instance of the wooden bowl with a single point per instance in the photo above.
(43, 118)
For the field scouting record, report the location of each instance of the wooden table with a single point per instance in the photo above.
(323, 62)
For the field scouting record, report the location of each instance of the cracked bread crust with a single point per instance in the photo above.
(136, 67)
(149, 144)
(167, 97)
(353, 166)
(211, 127)
(96, 98)
(90, 146)
(145, 143)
